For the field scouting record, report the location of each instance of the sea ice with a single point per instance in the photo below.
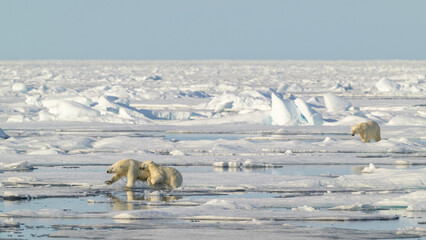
(386, 85)
(335, 103)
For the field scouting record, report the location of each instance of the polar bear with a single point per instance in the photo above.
(162, 177)
(367, 131)
(127, 168)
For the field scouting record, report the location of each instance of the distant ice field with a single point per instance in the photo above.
(264, 147)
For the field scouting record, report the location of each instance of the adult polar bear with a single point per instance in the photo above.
(367, 131)
(162, 177)
(127, 168)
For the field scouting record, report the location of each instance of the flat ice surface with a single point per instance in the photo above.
(264, 148)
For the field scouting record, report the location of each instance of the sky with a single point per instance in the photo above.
(212, 29)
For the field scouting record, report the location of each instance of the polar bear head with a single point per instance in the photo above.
(145, 165)
(355, 129)
(120, 166)
(113, 169)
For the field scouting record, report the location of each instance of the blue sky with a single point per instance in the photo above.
(216, 29)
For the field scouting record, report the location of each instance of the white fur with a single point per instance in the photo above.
(127, 168)
(367, 131)
(162, 177)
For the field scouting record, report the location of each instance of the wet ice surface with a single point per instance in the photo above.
(263, 151)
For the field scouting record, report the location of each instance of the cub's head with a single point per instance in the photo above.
(145, 165)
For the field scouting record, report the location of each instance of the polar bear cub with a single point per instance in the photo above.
(127, 168)
(367, 131)
(162, 177)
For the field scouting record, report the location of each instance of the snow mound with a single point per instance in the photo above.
(46, 151)
(341, 87)
(177, 153)
(304, 209)
(154, 77)
(335, 103)
(246, 164)
(18, 166)
(250, 164)
(150, 214)
(227, 205)
(355, 207)
(407, 121)
(246, 100)
(223, 164)
(417, 207)
(386, 85)
(67, 110)
(294, 87)
(370, 169)
(19, 87)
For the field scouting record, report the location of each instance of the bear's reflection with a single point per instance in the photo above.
(139, 200)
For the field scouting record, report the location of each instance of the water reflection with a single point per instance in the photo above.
(139, 200)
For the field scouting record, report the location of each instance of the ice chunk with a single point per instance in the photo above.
(3, 134)
(284, 112)
(72, 111)
(177, 153)
(370, 169)
(232, 164)
(294, 87)
(304, 209)
(12, 196)
(386, 85)
(33, 100)
(9, 223)
(19, 87)
(407, 120)
(416, 207)
(329, 140)
(250, 164)
(355, 207)
(18, 166)
(314, 102)
(253, 100)
(335, 103)
(308, 114)
(154, 77)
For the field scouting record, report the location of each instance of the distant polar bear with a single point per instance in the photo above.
(127, 168)
(162, 177)
(367, 131)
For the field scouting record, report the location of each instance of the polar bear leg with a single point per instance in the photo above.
(366, 136)
(114, 179)
(377, 136)
(131, 179)
(154, 180)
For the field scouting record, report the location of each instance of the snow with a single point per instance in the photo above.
(387, 85)
(263, 146)
(335, 103)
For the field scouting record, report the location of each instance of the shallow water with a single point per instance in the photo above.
(114, 201)
(108, 201)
